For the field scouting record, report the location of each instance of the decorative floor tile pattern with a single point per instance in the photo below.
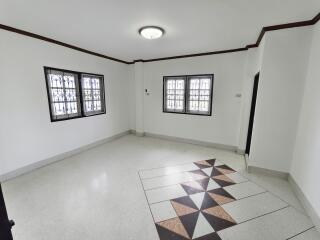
(210, 198)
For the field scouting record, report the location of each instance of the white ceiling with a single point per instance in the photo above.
(110, 27)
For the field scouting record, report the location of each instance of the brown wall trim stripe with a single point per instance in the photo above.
(33, 35)
(261, 35)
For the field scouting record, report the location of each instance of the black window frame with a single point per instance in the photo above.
(187, 94)
(79, 93)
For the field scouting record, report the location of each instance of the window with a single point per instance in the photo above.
(199, 94)
(175, 94)
(189, 94)
(93, 97)
(74, 94)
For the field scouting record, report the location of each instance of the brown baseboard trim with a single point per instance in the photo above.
(260, 37)
(265, 171)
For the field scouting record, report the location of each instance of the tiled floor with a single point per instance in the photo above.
(208, 199)
(98, 195)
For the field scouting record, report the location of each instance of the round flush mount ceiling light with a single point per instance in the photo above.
(151, 32)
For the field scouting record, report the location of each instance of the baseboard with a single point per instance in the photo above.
(132, 131)
(59, 157)
(273, 173)
(241, 151)
(246, 160)
(305, 202)
(138, 134)
(191, 141)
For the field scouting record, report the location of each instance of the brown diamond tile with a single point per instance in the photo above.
(182, 209)
(220, 199)
(175, 226)
(220, 213)
(223, 178)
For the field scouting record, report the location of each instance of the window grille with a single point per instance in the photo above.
(92, 93)
(63, 94)
(74, 94)
(188, 94)
(199, 94)
(174, 94)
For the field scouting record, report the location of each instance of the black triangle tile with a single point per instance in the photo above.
(208, 202)
(217, 223)
(215, 172)
(166, 234)
(211, 161)
(222, 192)
(225, 167)
(204, 182)
(223, 183)
(190, 190)
(201, 166)
(189, 222)
(211, 236)
(185, 201)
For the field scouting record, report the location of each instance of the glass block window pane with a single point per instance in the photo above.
(63, 94)
(174, 89)
(199, 94)
(92, 94)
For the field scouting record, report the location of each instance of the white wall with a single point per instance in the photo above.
(26, 133)
(28, 136)
(139, 97)
(223, 126)
(282, 76)
(252, 67)
(132, 98)
(306, 158)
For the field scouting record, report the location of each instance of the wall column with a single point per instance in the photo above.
(139, 88)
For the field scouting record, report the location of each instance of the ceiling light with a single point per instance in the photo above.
(151, 32)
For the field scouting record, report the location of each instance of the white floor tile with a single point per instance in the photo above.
(197, 199)
(165, 193)
(237, 178)
(207, 170)
(243, 190)
(202, 227)
(278, 186)
(218, 163)
(167, 180)
(162, 211)
(167, 170)
(311, 234)
(212, 185)
(279, 225)
(252, 207)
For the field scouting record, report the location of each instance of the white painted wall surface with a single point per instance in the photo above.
(252, 67)
(139, 97)
(223, 126)
(26, 133)
(132, 98)
(306, 158)
(282, 78)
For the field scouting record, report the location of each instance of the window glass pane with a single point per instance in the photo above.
(199, 94)
(174, 94)
(63, 97)
(93, 94)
